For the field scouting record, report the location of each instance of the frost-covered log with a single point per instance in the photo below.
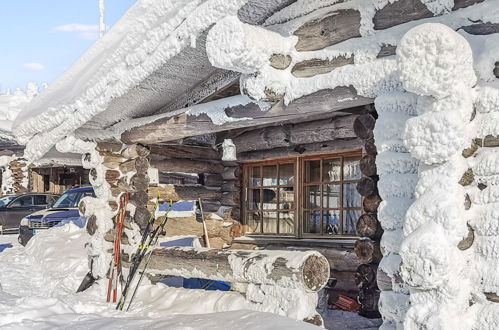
(289, 269)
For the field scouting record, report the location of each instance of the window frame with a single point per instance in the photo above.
(299, 193)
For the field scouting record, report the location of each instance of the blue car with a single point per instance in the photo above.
(64, 210)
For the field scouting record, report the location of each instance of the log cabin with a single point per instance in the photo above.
(300, 120)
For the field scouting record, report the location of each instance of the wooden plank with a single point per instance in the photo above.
(174, 128)
(310, 68)
(293, 134)
(335, 27)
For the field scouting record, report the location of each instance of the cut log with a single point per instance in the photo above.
(368, 299)
(230, 173)
(212, 180)
(310, 68)
(488, 141)
(369, 226)
(368, 251)
(337, 26)
(386, 50)
(230, 199)
(370, 147)
(139, 198)
(231, 186)
(365, 276)
(112, 176)
(367, 186)
(279, 61)
(186, 151)
(108, 148)
(176, 193)
(113, 161)
(141, 217)
(481, 28)
(368, 165)
(135, 150)
(371, 203)
(400, 12)
(139, 182)
(308, 270)
(363, 126)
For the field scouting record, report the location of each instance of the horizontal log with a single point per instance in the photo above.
(335, 27)
(481, 28)
(186, 151)
(135, 150)
(177, 192)
(280, 61)
(113, 161)
(488, 141)
(345, 282)
(171, 128)
(386, 50)
(400, 12)
(368, 251)
(308, 270)
(310, 68)
(185, 165)
(212, 180)
(180, 178)
(292, 134)
(107, 148)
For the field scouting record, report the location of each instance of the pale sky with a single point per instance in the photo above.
(40, 39)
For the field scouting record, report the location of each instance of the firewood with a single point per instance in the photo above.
(365, 276)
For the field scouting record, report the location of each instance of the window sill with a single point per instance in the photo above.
(339, 242)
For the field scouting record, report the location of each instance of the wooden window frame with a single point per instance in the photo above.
(299, 192)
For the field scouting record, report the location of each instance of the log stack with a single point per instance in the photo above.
(367, 248)
(19, 172)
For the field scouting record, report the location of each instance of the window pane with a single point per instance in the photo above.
(254, 199)
(286, 174)
(269, 198)
(331, 170)
(312, 197)
(287, 198)
(350, 218)
(40, 199)
(351, 198)
(23, 201)
(331, 220)
(286, 222)
(351, 168)
(312, 222)
(270, 175)
(270, 222)
(254, 220)
(312, 171)
(331, 194)
(255, 179)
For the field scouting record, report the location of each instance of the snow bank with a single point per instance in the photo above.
(38, 292)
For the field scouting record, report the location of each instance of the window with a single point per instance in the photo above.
(23, 201)
(304, 196)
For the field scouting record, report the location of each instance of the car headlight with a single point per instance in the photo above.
(24, 222)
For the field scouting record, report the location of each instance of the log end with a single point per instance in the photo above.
(315, 272)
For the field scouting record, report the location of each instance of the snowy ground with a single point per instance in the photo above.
(38, 285)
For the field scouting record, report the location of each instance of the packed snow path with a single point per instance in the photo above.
(38, 285)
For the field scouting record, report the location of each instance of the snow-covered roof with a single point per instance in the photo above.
(150, 58)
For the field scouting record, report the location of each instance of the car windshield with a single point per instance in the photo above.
(71, 200)
(5, 200)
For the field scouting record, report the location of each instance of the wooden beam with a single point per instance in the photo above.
(293, 134)
(165, 164)
(335, 27)
(184, 125)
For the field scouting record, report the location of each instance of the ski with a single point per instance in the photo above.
(138, 255)
(154, 240)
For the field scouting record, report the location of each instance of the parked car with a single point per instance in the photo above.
(15, 207)
(64, 210)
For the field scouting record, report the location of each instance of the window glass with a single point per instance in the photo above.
(5, 200)
(287, 198)
(255, 178)
(71, 200)
(40, 199)
(286, 174)
(331, 194)
(254, 199)
(351, 168)
(331, 170)
(313, 222)
(270, 222)
(269, 175)
(254, 220)
(350, 218)
(23, 201)
(351, 198)
(312, 171)
(286, 222)
(331, 219)
(270, 198)
(313, 197)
